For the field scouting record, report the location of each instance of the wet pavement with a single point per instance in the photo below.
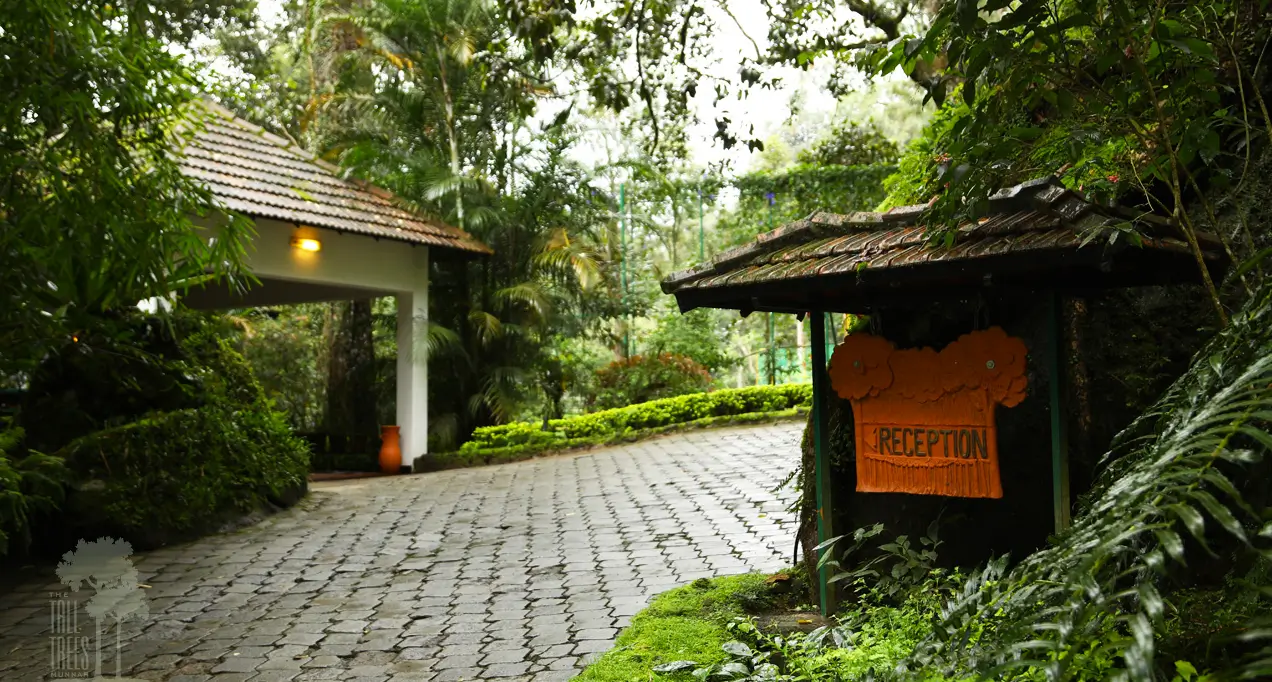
(526, 570)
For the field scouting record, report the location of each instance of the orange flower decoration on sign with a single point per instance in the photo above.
(925, 420)
(914, 372)
(987, 359)
(859, 366)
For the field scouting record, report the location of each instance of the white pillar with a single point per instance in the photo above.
(412, 365)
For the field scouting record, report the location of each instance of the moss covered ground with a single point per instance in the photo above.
(686, 623)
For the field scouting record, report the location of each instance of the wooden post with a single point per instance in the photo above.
(821, 458)
(1059, 426)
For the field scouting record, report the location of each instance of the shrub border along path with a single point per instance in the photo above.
(525, 440)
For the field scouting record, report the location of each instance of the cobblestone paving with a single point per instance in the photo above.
(525, 570)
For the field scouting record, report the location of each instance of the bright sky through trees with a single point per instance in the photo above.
(768, 112)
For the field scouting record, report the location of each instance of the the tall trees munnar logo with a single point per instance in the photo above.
(104, 566)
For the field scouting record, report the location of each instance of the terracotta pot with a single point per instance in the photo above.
(391, 450)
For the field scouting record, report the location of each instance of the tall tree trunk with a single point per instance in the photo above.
(351, 370)
(451, 134)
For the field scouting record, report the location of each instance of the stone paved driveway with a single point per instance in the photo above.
(525, 570)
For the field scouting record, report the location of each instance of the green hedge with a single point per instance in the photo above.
(179, 474)
(655, 413)
(164, 431)
(521, 440)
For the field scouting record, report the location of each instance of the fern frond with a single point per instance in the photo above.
(1171, 476)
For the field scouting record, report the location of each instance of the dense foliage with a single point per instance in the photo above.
(1160, 105)
(641, 378)
(699, 335)
(94, 214)
(851, 144)
(178, 474)
(769, 199)
(31, 487)
(286, 350)
(163, 430)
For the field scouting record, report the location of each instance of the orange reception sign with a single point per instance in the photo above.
(925, 420)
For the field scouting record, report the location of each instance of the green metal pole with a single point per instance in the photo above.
(772, 352)
(821, 457)
(622, 241)
(702, 240)
(1059, 435)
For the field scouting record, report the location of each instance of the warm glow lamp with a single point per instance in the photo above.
(311, 245)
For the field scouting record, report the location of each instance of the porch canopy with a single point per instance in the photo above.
(1035, 235)
(321, 237)
(1036, 239)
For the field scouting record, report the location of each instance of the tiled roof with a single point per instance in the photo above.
(1038, 223)
(259, 174)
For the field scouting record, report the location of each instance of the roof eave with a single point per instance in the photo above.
(1080, 271)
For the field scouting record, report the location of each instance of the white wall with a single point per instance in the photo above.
(345, 259)
(412, 367)
(382, 268)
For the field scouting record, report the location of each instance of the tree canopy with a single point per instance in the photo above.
(94, 214)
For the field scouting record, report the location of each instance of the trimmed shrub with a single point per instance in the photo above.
(515, 453)
(642, 417)
(178, 474)
(165, 432)
(642, 378)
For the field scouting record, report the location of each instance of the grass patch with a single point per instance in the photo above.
(687, 623)
(693, 623)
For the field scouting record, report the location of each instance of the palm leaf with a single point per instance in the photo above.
(530, 296)
(452, 184)
(486, 326)
(561, 254)
(500, 390)
(440, 341)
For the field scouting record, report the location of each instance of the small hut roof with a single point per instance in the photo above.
(1035, 235)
